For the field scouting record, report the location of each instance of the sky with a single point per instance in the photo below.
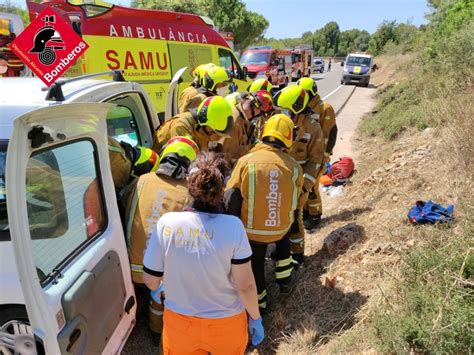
(309, 15)
(290, 18)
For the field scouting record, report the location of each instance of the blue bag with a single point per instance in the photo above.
(430, 212)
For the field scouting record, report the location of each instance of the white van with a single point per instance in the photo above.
(357, 68)
(64, 270)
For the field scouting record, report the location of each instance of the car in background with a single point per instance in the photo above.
(318, 65)
(357, 68)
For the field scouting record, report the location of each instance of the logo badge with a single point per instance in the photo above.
(48, 46)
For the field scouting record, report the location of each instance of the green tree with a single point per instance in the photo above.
(386, 32)
(331, 34)
(10, 8)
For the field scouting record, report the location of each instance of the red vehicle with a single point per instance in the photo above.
(301, 62)
(267, 62)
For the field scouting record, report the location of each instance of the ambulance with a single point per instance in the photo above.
(149, 45)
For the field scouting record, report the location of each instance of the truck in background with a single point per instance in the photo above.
(149, 45)
(301, 62)
(267, 62)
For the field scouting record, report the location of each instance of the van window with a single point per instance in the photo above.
(361, 61)
(64, 204)
(121, 125)
(128, 122)
(185, 55)
(228, 61)
(4, 233)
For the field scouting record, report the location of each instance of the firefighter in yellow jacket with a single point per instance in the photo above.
(327, 120)
(213, 80)
(127, 162)
(212, 120)
(191, 91)
(154, 195)
(259, 85)
(264, 191)
(307, 150)
(248, 108)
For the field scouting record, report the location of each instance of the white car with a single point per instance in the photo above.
(64, 270)
(318, 65)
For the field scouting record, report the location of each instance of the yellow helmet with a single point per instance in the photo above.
(183, 146)
(260, 84)
(212, 76)
(293, 98)
(216, 113)
(309, 84)
(279, 127)
(197, 71)
(232, 98)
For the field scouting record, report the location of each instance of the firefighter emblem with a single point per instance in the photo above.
(47, 41)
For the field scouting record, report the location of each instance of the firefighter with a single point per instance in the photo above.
(127, 162)
(192, 90)
(247, 109)
(307, 150)
(260, 84)
(213, 81)
(206, 125)
(152, 196)
(264, 191)
(327, 120)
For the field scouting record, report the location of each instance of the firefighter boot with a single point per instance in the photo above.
(312, 222)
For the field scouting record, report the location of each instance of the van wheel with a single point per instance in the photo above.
(16, 334)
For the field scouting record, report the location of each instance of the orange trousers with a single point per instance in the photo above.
(193, 335)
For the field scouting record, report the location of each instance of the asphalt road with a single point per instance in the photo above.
(140, 341)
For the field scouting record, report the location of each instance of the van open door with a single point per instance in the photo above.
(172, 96)
(65, 228)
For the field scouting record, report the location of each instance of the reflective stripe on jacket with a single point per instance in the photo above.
(152, 196)
(308, 148)
(269, 182)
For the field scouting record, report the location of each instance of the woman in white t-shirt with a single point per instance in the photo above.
(203, 258)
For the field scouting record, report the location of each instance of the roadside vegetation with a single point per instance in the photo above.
(402, 288)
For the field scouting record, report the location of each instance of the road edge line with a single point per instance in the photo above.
(346, 101)
(332, 92)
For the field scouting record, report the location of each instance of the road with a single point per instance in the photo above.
(140, 341)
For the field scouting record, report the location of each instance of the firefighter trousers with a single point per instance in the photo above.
(297, 233)
(284, 266)
(314, 204)
(155, 314)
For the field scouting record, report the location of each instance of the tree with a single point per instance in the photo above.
(386, 32)
(331, 34)
(228, 15)
(362, 41)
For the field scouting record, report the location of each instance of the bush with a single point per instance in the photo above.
(432, 308)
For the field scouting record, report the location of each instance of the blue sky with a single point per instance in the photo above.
(309, 15)
(290, 18)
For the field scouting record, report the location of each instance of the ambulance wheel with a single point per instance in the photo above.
(16, 333)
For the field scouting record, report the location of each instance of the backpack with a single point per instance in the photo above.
(342, 169)
(430, 212)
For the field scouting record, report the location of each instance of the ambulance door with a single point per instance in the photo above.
(228, 61)
(68, 241)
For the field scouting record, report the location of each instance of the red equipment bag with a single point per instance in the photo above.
(342, 169)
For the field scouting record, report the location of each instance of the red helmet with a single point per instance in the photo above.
(263, 100)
